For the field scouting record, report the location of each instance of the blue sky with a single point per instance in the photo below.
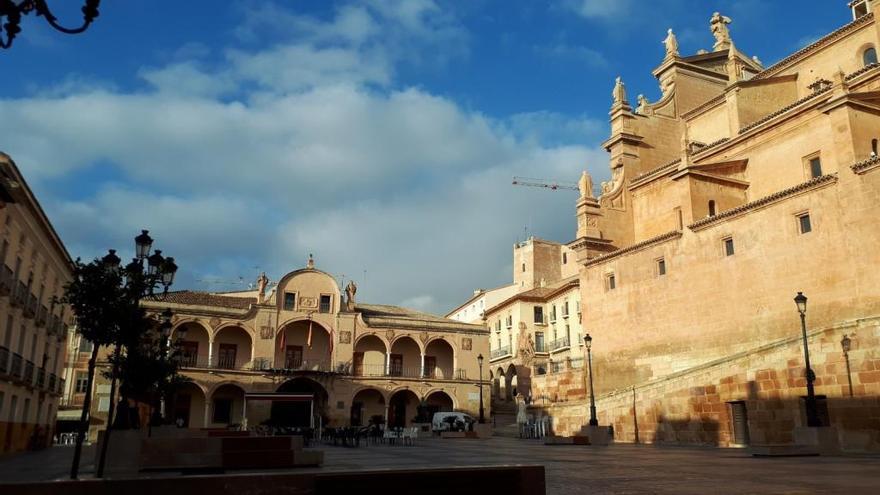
(379, 135)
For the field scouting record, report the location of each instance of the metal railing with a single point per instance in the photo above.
(29, 372)
(42, 315)
(6, 282)
(559, 344)
(540, 346)
(4, 360)
(500, 352)
(41, 378)
(19, 294)
(17, 366)
(30, 307)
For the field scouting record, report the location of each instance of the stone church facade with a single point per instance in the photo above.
(741, 186)
(306, 354)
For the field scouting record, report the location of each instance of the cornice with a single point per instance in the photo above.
(866, 165)
(766, 200)
(675, 234)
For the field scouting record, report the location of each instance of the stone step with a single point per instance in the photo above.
(783, 450)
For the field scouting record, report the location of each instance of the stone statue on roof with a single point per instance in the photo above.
(671, 44)
(585, 185)
(619, 93)
(642, 106)
(718, 24)
(262, 282)
(350, 290)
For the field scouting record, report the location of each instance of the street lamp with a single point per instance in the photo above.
(845, 344)
(111, 261)
(588, 343)
(812, 412)
(13, 10)
(480, 363)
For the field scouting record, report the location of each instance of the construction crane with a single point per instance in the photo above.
(532, 182)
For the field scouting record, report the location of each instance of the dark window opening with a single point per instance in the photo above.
(815, 167)
(325, 304)
(870, 56)
(661, 267)
(564, 258)
(222, 410)
(711, 207)
(728, 247)
(874, 147)
(289, 301)
(612, 282)
(539, 314)
(804, 223)
(523, 267)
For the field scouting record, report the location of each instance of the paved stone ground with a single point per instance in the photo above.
(576, 469)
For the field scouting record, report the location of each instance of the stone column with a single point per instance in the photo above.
(387, 364)
(210, 350)
(422, 366)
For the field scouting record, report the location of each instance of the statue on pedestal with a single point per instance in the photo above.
(619, 93)
(718, 24)
(585, 185)
(262, 282)
(350, 291)
(671, 44)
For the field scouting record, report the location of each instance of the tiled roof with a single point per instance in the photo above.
(656, 169)
(383, 315)
(861, 71)
(703, 106)
(818, 44)
(784, 109)
(647, 242)
(864, 164)
(763, 201)
(193, 298)
(539, 293)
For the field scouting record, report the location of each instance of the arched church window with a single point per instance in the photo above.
(869, 56)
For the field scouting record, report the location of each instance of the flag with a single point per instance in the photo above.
(309, 341)
(330, 351)
(283, 339)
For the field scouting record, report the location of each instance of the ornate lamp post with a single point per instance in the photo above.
(588, 343)
(480, 363)
(812, 413)
(13, 10)
(845, 344)
(139, 282)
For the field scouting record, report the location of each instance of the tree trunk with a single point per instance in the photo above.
(85, 416)
(99, 471)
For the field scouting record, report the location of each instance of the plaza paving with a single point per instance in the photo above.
(575, 469)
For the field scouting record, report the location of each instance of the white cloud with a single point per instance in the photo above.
(306, 146)
(611, 10)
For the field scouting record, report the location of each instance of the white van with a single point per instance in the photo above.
(440, 423)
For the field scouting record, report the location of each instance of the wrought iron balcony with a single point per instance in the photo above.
(4, 361)
(30, 307)
(42, 316)
(6, 282)
(29, 372)
(17, 368)
(41, 378)
(500, 352)
(19, 296)
(559, 344)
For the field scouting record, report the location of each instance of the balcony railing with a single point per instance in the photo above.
(29, 372)
(500, 352)
(559, 344)
(379, 370)
(42, 315)
(6, 282)
(4, 361)
(17, 368)
(19, 296)
(30, 306)
(41, 378)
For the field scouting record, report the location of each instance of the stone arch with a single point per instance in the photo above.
(297, 354)
(370, 356)
(232, 347)
(300, 414)
(501, 381)
(403, 405)
(195, 348)
(403, 336)
(439, 359)
(226, 405)
(366, 403)
(406, 357)
(453, 402)
(244, 326)
(510, 382)
(373, 334)
(188, 405)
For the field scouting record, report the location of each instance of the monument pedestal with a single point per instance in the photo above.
(824, 439)
(598, 435)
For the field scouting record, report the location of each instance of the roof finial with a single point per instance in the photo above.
(619, 92)
(311, 263)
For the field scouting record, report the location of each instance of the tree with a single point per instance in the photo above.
(96, 297)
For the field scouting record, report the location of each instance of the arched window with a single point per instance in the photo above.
(869, 56)
(711, 207)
